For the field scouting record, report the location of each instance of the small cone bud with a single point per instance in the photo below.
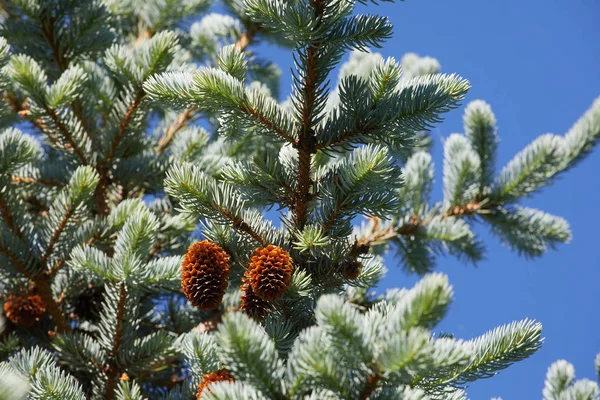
(351, 269)
(24, 310)
(204, 274)
(270, 272)
(215, 376)
(252, 305)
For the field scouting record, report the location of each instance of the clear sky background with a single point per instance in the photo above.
(537, 62)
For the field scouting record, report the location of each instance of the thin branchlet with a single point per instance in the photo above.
(306, 144)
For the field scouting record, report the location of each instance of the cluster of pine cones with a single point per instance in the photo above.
(205, 274)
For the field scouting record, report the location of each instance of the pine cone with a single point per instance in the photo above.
(215, 376)
(270, 272)
(24, 310)
(253, 305)
(351, 269)
(204, 274)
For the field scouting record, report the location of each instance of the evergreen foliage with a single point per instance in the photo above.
(126, 125)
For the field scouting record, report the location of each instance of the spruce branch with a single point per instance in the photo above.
(48, 29)
(67, 134)
(366, 182)
(189, 114)
(498, 349)
(41, 280)
(307, 144)
(480, 127)
(62, 62)
(534, 167)
(201, 194)
(561, 384)
(59, 230)
(529, 231)
(333, 157)
(8, 218)
(42, 284)
(46, 379)
(113, 366)
(462, 170)
(180, 122)
(393, 112)
(14, 259)
(100, 199)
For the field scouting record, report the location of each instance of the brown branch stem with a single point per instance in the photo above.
(180, 122)
(103, 168)
(48, 33)
(44, 289)
(415, 222)
(269, 124)
(63, 129)
(56, 236)
(113, 368)
(29, 181)
(243, 226)
(372, 381)
(124, 125)
(306, 144)
(6, 214)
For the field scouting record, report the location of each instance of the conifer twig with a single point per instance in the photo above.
(42, 285)
(8, 218)
(139, 96)
(63, 129)
(360, 130)
(462, 210)
(113, 368)
(269, 124)
(103, 168)
(62, 63)
(48, 34)
(306, 144)
(180, 122)
(29, 181)
(372, 381)
(188, 114)
(244, 227)
(56, 236)
(41, 281)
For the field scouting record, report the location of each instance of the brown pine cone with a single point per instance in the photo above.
(270, 272)
(215, 376)
(253, 305)
(24, 310)
(351, 269)
(204, 274)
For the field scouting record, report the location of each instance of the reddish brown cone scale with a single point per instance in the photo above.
(204, 274)
(270, 272)
(207, 379)
(253, 305)
(351, 270)
(24, 310)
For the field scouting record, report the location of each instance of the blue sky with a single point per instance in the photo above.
(538, 64)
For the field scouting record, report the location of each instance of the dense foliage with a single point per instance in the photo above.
(144, 141)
